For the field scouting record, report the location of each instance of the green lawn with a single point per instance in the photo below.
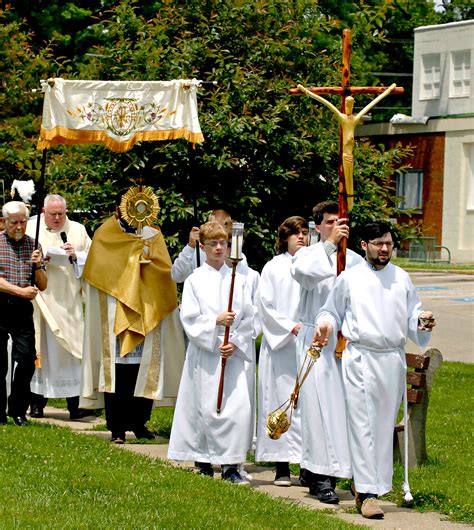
(445, 483)
(54, 478)
(405, 263)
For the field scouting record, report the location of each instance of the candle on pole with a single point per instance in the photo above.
(237, 239)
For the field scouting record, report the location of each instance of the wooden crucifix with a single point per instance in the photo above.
(348, 122)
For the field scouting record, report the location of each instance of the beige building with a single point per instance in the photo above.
(440, 184)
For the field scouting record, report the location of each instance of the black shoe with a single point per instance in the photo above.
(21, 421)
(282, 474)
(327, 496)
(80, 413)
(232, 475)
(144, 433)
(205, 469)
(36, 412)
(3, 420)
(118, 438)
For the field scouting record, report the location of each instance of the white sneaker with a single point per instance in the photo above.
(244, 473)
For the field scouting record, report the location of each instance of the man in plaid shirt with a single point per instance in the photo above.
(18, 260)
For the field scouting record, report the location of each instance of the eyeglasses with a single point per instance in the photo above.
(380, 244)
(213, 243)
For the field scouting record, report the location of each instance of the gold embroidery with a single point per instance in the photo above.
(104, 320)
(155, 364)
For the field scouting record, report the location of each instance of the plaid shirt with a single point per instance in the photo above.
(15, 259)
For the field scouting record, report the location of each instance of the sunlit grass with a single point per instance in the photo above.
(456, 267)
(444, 483)
(54, 478)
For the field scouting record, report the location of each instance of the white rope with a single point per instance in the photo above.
(406, 486)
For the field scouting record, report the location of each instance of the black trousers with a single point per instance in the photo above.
(318, 482)
(16, 322)
(39, 401)
(123, 411)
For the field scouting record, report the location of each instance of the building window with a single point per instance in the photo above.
(470, 176)
(460, 78)
(410, 189)
(430, 76)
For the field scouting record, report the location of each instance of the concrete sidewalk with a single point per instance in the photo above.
(262, 480)
(451, 298)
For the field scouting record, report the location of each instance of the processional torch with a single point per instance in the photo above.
(313, 237)
(278, 421)
(235, 257)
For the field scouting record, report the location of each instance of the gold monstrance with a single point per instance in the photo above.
(139, 206)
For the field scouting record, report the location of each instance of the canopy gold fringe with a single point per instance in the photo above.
(62, 135)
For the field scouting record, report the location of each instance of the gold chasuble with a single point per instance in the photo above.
(144, 290)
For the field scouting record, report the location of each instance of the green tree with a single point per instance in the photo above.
(21, 67)
(456, 10)
(266, 155)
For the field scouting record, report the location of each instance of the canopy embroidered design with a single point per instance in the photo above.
(118, 113)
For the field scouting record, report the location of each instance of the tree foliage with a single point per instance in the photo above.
(266, 156)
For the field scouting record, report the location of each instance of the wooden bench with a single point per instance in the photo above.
(420, 375)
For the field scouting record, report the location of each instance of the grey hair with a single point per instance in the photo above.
(53, 197)
(14, 207)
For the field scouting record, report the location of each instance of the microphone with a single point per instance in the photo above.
(64, 240)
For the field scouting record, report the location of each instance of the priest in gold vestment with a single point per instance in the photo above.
(133, 341)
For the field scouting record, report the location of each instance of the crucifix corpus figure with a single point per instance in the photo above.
(346, 140)
(348, 122)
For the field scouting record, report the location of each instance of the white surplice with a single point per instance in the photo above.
(252, 282)
(59, 319)
(325, 447)
(199, 433)
(184, 265)
(186, 262)
(160, 362)
(377, 310)
(279, 296)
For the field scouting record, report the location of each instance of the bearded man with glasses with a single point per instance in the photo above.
(376, 306)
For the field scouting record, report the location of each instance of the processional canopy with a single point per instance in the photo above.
(118, 113)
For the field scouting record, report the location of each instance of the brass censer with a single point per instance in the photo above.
(278, 421)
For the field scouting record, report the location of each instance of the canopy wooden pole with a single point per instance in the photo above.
(39, 205)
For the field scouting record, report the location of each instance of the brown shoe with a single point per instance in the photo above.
(370, 509)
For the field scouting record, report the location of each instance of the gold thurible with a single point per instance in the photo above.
(278, 421)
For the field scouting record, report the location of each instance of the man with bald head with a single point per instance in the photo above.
(22, 276)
